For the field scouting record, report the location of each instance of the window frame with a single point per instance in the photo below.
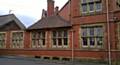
(62, 38)
(96, 46)
(39, 39)
(5, 40)
(88, 7)
(118, 3)
(21, 45)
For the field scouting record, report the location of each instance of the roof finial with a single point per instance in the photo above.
(10, 11)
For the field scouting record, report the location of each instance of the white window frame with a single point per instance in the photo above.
(41, 45)
(21, 45)
(4, 39)
(88, 7)
(88, 40)
(66, 46)
(62, 46)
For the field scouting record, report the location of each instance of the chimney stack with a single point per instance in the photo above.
(50, 7)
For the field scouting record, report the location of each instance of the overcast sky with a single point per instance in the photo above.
(28, 11)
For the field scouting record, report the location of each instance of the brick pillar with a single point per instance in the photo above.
(8, 41)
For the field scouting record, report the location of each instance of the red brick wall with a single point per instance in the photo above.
(65, 11)
(27, 39)
(77, 20)
(75, 8)
(8, 39)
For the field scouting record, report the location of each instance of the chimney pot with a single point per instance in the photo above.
(44, 13)
(56, 10)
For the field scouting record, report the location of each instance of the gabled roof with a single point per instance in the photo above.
(67, 3)
(54, 21)
(5, 19)
(65, 11)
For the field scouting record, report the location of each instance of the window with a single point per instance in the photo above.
(83, 1)
(118, 3)
(90, 6)
(92, 36)
(38, 39)
(2, 40)
(84, 8)
(17, 40)
(60, 38)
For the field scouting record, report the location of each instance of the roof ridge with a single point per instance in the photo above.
(6, 15)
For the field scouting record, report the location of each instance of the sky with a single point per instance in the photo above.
(27, 11)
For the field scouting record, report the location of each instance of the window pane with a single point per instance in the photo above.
(84, 8)
(97, 0)
(54, 34)
(98, 6)
(43, 42)
(54, 42)
(91, 31)
(90, 0)
(83, 1)
(43, 34)
(91, 6)
(0, 43)
(65, 41)
(59, 33)
(118, 5)
(2, 40)
(39, 35)
(39, 43)
(92, 41)
(84, 32)
(33, 43)
(59, 42)
(99, 31)
(65, 34)
(99, 41)
(85, 43)
(14, 43)
(33, 35)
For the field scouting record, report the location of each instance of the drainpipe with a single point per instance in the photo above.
(72, 31)
(72, 45)
(108, 31)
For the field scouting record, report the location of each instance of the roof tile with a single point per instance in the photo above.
(54, 21)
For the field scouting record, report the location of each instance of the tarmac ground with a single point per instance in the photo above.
(11, 60)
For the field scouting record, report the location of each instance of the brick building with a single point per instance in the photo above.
(82, 29)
